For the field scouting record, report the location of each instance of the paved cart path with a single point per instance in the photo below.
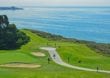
(57, 59)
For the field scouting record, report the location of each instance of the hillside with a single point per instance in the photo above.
(97, 47)
(51, 70)
(77, 51)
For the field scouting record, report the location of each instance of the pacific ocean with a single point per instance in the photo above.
(92, 23)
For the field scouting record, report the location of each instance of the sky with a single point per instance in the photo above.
(54, 2)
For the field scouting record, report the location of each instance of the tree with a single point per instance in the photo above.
(10, 36)
(3, 21)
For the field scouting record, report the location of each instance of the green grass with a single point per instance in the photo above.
(88, 57)
(24, 53)
(13, 57)
(52, 70)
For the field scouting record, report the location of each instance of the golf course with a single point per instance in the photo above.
(30, 61)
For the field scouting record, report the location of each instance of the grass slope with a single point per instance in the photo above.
(76, 52)
(51, 70)
(88, 58)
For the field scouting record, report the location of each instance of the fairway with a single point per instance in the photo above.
(74, 51)
(87, 57)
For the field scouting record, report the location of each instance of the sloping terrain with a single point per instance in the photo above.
(76, 52)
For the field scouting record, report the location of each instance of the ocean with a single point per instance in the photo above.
(92, 24)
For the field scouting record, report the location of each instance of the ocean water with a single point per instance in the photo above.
(91, 24)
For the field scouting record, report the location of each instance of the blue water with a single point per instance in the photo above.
(91, 24)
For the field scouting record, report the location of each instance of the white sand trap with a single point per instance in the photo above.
(39, 54)
(20, 65)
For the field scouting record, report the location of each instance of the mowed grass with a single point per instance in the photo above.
(51, 71)
(46, 70)
(80, 52)
(15, 57)
(24, 53)
(87, 57)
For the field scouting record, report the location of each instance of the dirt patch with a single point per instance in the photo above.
(18, 65)
(39, 54)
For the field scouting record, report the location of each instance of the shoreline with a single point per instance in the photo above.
(69, 38)
(103, 48)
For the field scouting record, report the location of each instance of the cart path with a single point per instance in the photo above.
(57, 59)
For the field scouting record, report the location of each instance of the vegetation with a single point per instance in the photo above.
(81, 55)
(71, 50)
(50, 36)
(10, 36)
(51, 70)
(77, 52)
(98, 47)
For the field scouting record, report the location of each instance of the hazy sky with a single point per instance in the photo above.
(54, 2)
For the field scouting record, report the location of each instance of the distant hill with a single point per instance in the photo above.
(10, 8)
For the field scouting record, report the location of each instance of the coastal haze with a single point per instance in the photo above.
(55, 2)
(54, 38)
(91, 24)
(80, 19)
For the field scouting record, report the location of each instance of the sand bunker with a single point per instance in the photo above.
(20, 65)
(39, 54)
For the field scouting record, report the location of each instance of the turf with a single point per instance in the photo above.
(52, 70)
(87, 57)
(15, 57)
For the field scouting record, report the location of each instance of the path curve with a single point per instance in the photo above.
(59, 61)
